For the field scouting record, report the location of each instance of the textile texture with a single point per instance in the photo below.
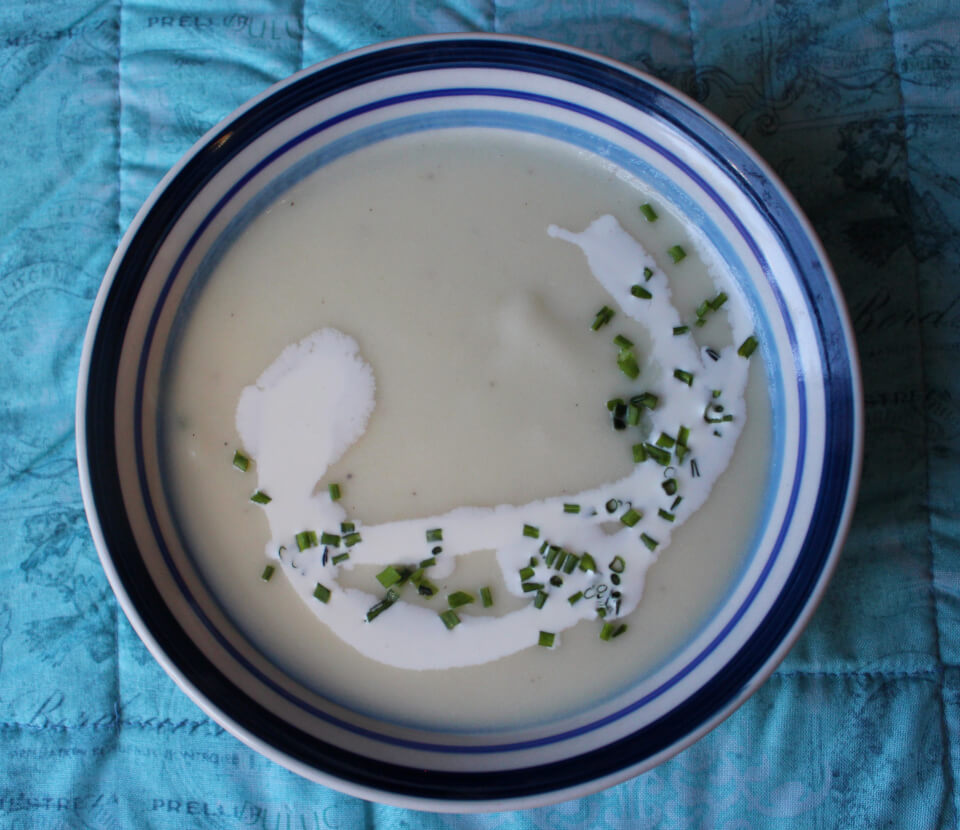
(855, 104)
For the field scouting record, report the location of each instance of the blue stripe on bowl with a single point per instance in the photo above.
(537, 59)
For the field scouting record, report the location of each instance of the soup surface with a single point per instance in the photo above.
(417, 324)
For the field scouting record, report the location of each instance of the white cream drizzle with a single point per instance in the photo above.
(314, 401)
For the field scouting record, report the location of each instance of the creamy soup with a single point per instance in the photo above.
(502, 436)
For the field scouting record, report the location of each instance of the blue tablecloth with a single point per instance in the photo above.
(856, 104)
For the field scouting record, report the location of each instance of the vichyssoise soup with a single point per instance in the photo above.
(464, 430)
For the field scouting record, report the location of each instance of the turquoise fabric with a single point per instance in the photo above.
(856, 104)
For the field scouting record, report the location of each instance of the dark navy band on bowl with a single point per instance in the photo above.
(715, 695)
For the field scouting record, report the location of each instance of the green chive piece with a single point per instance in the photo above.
(543, 549)
(648, 212)
(426, 563)
(601, 612)
(561, 558)
(631, 517)
(683, 435)
(427, 589)
(606, 631)
(627, 362)
(669, 486)
(305, 539)
(617, 564)
(603, 316)
(267, 573)
(570, 563)
(546, 639)
(486, 598)
(658, 454)
(633, 414)
(613, 403)
(389, 576)
(718, 301)
(684, 376)
(334, 490)
(676, 253)
(347, 527)
(458, 598)
(622, 342)
(676, 502)
(611, 505)
(240, 461)
(647, 399)
(435, 535)
(573, 599)
(527, 587)
(376, 610)
(678, 330)
(526, 573)
(540, 599)
(531, 531)
(450, 619)
(640, 292)
(416, 578)
(352, 539)
(665, 441)
(571, 508)
(556, 581)
(260, 497)
(663, 514)
(620, 630)
(322, 593)
(340, 557)
(647, 273)
(681, 452)
(330, 539)
(748, 347)
(650, 542)
(716, 393)
(639, 453)
(702, 310)
(587, 563)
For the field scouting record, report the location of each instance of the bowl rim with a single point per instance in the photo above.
(455, 804)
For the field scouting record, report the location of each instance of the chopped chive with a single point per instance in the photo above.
(663, 514)
(613, 403)
(527, 587)
(669, 486)
(450, 619)
(681, 451)
(647, 399)
(352, 539)
(727, 418)
(678, 330)
(703, 309)
(436, 550)
(665, 441)
(389, 576)
(260, 497)
(551, 555)
(531, 531)
(648, 212)
(611, 505)
(546, 639)
(603, 316)
(684, 376)
(633, 414)
(534, 561)
(573, 599)
(748, 347)
(458, 598)
(617, 565)
(306, 539)
(718, 301)
(427, 589)
(631, 517)
(334, 490)
(416, 578)
(620, 630)
(347, 527)
(606, 631)
(377, 609)
(676, 253)
(571, 508)
(658, 454)
(622, 342)
(561, 557)
(556, 581)
(540, 599)
(486, 598)
(570, 562)
(647, 273)
(435, 535)
(322, 593)
(620, 410)
(587, 563)
(526, 573)
(640, 292)
(615, 579)
(601, 612)
(627, 362)
(639, 453)
(683, 435)
(330, 539)
(715, 393)
(676, 502)
(240, 461)
(543, 549)
(427, 563)
(267, 573)
(340, 557)
(650, 542)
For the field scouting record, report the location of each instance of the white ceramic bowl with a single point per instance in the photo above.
(695, 165)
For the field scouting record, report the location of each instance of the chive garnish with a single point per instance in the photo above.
(684, 376)
(340, 557)
(556, 581)
(540, 599)
(647, 399)
(450, 619)
(640, 292)
(658, 454)
(669, 486)
(486, 598)
(620, 630)
(526, 573)
(587, 563)
(603, 316)
(240, 461)
(347, 527)
(458, 598)
(615, 579)
(322, 593)
(601, 612)
(617, 565)
(648, 212)
(665, 441)
(676, 502)
(631, 517)
(267, 573)
(570, 562)
(427, 589)
(527, 587)
(389, 576)
(683, 435)
(622, 342)
(306, 539)
(436, 550)
(627, 362)
(663, 514)
(551, 555)
(649, 541)
(613, 403)
(611, 505)
(639, 453)
(606, 631)
(571, 508)
(718, 301)
(573, 599)
(416, 578)
(352, 539)
(546, 639)
(676, 253)
(334, 490)
(748, 347)
(647, 273)
(260, 497)
(531, 531)
(376, 610)
(543, 549)
(330, 539)
(681, 451)
(426, 563)
(435, 535)
(678, 330)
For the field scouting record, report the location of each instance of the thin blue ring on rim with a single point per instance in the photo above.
(840, 440)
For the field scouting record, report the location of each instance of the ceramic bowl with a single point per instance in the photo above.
(695, 165)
